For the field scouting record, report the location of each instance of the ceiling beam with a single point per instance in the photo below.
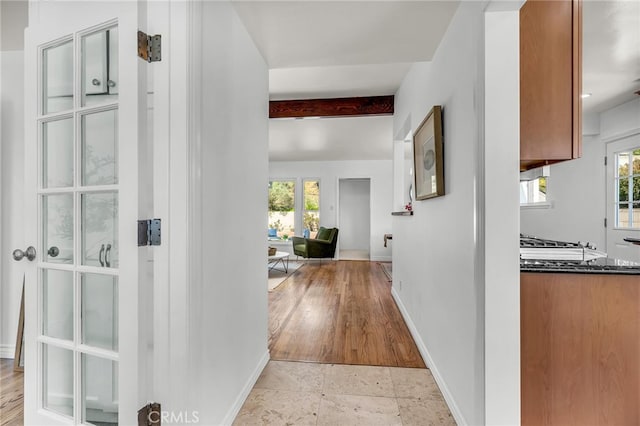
(336, 107)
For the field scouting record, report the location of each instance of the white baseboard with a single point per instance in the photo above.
(237, 405)
(381, 258)
(455, 411)
(7, 351)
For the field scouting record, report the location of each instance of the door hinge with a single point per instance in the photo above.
(605, 160)
(150, 415)
(149, 232)
(149, 47)
(605, 222)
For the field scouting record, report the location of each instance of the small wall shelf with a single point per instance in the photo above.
(402, 213)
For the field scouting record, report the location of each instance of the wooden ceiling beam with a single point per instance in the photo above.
(336, 107)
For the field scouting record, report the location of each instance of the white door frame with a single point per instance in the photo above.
(352, 177)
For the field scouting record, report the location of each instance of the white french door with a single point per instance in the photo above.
(623, 197)
(85, 94)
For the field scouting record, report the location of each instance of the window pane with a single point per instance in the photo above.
(100, 148)
(636, 189)
(623, 215)
(623, 164)
(100, 67)
(311, 219)
(57, 153)
(281, 209)
(58, 228)
(99, 390)
(57, 87)
(57, 304)
(100, 311)
(623, 189)
(57, 383)
(635, 216)
(100, 229)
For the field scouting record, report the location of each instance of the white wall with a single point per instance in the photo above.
(381, 175)
(434, 255)
(12, 159)
(354, 213)
(577, 188)
(228, 308)
(576, 191)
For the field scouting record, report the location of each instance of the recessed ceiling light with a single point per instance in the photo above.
(585, 95)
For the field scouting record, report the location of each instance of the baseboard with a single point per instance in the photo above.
(381, 258)
(7, 351)
(237, 405)
(455, 411)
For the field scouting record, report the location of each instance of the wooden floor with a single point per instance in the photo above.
(11, 394)
(340, 313)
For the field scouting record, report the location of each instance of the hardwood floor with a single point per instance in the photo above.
(339, 313)
(11, 394)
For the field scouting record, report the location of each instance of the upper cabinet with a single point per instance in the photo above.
(550, 82)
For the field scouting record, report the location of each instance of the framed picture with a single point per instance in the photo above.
(428, 156)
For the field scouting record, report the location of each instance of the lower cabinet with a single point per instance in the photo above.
(580, 349)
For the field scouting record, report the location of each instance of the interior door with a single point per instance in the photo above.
(82, 195)
(623, 197)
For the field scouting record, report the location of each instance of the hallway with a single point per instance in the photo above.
(339, 313)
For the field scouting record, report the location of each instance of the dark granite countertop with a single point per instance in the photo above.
(604, 265)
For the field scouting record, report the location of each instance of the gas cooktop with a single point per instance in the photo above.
(545, 249)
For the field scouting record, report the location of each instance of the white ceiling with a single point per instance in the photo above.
(611, 53)
(331, 49)
(327, 48)
(325, 139)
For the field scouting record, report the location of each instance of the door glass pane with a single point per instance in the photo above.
(57, 301)
(635, 195)
(58, 228)
(623, 189)
(57, 76)
(100, 311)
(100, 67)
(623, 164)
(100, 229)
(99, 390)
(623, 215)
(57, 153)
(57, 379)
(99, 148)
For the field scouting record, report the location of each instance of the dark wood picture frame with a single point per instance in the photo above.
(18, 357)
(428, 156)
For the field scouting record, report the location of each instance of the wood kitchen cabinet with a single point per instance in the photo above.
(580, 349)
(550, 82)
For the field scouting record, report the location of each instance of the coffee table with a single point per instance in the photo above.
(279, 257)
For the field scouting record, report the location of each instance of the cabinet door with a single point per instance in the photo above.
(550, 81)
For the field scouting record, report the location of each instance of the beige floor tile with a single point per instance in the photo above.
(425, 412)
(275, 407)
(414, 383)
(292, 376)
(354, 410)
(358, 380)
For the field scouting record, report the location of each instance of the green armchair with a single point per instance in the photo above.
(322, 246)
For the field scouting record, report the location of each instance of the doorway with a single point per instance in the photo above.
(354, 218)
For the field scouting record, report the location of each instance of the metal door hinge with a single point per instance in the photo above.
(149, 232)
(150, 415)
(605, 222)
(605, 161)
(149, 47)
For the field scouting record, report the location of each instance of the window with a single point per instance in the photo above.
(311, 206)
(282, 196)
(533, 191)
(627, 187)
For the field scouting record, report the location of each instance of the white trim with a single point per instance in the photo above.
(536, 206)
(7, 351)
(622, 135)
(246, 390)
(381, 258)
(448, 397)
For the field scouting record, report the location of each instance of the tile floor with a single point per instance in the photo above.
(299, 393)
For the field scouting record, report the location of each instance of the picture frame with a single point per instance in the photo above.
(428, 156)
